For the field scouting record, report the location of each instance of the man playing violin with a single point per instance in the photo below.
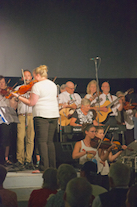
(125, 117)
(25, 129)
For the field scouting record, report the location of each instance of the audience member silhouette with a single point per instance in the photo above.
(119, 177)
(131, 200)
(78, 193)
(9, 198)
(38, 198)
(65, 173)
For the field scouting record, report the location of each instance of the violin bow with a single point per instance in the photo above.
(23, 76)
(103, 137)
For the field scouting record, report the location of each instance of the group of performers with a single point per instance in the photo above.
(40, 109)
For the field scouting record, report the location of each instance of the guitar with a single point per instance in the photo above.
(101, 115)
(66, 113)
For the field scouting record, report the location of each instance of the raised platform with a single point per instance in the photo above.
(22, 183)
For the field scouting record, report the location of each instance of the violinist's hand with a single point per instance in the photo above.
(102, 162)
(124, 147)
(92, 152)
(111, 147)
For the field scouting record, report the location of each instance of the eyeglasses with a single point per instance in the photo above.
(71, 88)
(93, 131)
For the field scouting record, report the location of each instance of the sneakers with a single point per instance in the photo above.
(17, 167)
(29, 166)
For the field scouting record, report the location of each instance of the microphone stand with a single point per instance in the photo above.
(59, 123)
(96, 69)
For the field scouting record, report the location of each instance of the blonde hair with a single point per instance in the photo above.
(41, 70)
(85, 101)
(89, 84)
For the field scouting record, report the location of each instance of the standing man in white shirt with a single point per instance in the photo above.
(25, 129)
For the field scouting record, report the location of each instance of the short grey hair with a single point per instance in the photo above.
(65, 173)
(78, 192)
(120, 173)
(85, 101)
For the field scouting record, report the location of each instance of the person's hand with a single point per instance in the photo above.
(102, 162)
(91, 152)
(124, 147)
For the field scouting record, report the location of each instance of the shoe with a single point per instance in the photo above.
(29, 166)
(17, 167)
(8, 163)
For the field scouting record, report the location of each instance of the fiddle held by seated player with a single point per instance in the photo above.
(83, 114)
(104, 166)
(84, 148)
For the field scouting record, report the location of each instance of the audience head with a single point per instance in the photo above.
(89, 171)
(65, 173)
(78, 193)
(119, 175)
(41, 71)
(63, 88)
(3, 173)
(50, 179)
(131, 200)
(70, 87)
(92, 87)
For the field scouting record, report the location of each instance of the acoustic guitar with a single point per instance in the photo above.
(103, 116)
(66, 113)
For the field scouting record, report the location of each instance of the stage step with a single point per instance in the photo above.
(22, 183)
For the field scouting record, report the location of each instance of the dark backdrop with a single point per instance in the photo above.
(65, 34)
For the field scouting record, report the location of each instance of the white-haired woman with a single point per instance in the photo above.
(45, 111)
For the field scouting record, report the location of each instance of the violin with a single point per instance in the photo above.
(106, 143)
(128, 105)
(22, 89)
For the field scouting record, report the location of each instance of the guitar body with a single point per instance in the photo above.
(65, 115)
(102, 116)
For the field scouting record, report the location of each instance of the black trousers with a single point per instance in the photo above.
(44, 134)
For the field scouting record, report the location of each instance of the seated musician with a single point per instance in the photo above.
(68, 102)
(69, 99)
(104, 167)
(91, 90)
(83, 114)
(105, 113)
(85, 149)
(125, 117)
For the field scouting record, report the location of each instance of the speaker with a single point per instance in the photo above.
(64, 153)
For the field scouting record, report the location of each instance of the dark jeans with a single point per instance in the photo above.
(44, 133)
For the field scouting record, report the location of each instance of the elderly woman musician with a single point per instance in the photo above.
(83, 114)
(45, 111)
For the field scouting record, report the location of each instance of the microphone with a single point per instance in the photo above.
(96, 58)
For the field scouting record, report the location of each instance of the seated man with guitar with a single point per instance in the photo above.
(83, 114)
(68, 102)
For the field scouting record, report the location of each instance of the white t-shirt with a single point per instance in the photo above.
(65, 97)
(47, 105)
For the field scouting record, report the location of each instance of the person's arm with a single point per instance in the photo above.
(105, 155)
(113, 157)
(72, 122)
(76, 152)
(31, 101)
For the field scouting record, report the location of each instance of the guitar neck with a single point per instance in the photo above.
(111, 104)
